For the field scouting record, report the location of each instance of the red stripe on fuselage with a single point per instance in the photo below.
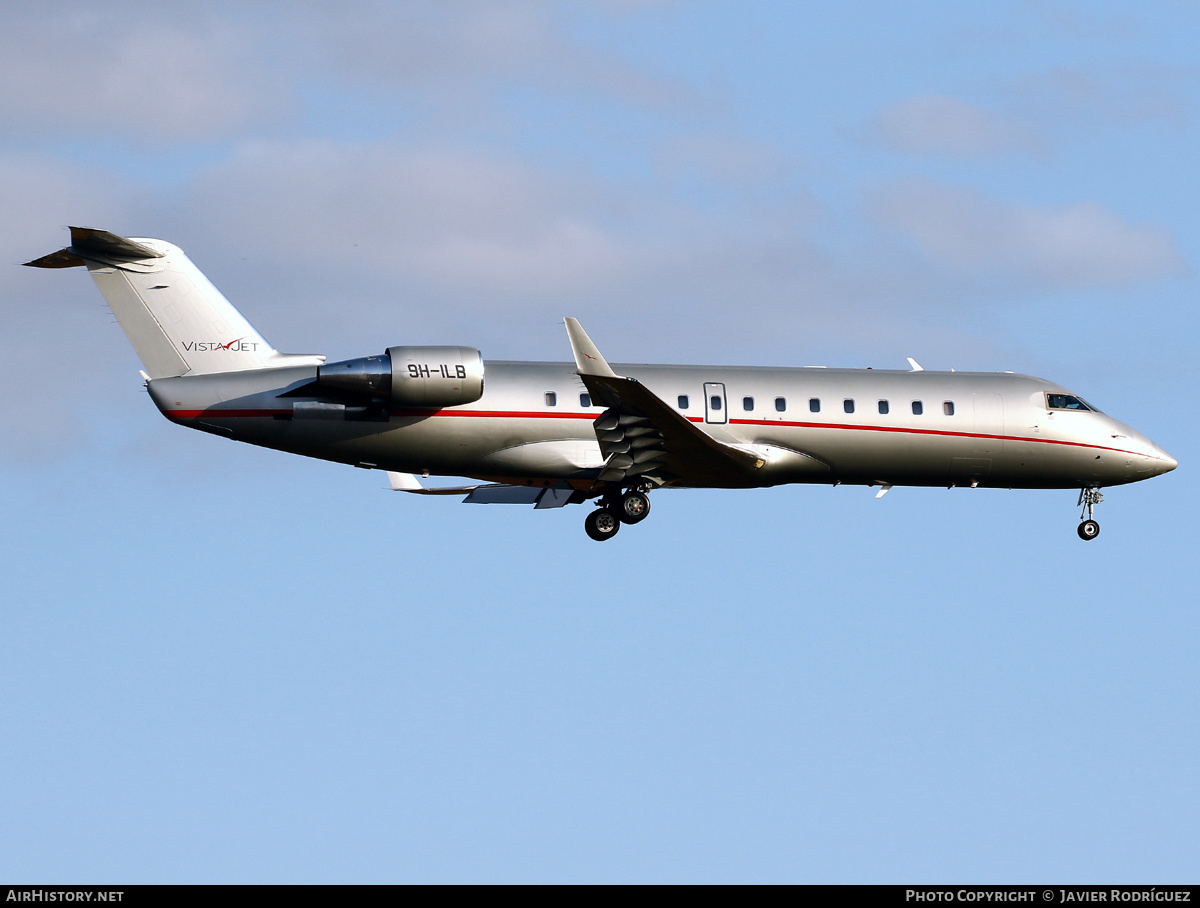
(501, 414)
(540, 414)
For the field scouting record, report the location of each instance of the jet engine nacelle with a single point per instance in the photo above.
(410, 376)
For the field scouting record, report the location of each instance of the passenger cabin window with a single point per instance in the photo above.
(683, 402)
(883, 408)
(585, 400)
(747, 404)
(918, 408)
(551, 399)
(1065, 402)
(780, 404)
(714, 402)
(948, 407)
(814, 405)
(848, 405)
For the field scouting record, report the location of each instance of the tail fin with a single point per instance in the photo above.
(177, 321)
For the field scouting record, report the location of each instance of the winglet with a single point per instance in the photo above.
(916, 366)
(588, 360)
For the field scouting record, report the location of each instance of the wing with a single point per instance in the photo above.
(644, 439)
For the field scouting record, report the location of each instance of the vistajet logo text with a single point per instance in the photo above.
(234, 346)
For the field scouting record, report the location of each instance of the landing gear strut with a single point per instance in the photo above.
(1089, 498)
(631, 507)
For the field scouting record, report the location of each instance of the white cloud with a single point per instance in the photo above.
(452, 56)
(134, 70)
(183, 72)
(942, 125)
(467, 220)
(420, 43)
(444, 242)
(1123, 97)
(1080, 245)
(724, 160)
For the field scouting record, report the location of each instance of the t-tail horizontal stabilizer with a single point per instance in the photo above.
(98, 245)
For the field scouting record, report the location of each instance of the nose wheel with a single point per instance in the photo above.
(1088, 498)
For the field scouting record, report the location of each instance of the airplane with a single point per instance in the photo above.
(553, 434)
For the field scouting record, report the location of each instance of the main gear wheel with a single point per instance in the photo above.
(602, 524)
(633, 507)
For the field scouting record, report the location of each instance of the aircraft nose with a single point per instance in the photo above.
(1164, 463)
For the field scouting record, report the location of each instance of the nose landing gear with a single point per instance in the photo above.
(616, 509)
(1088, 498)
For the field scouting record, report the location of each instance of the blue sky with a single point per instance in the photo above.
(222, 664)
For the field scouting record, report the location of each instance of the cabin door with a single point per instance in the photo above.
(989, 421)
(715, 411)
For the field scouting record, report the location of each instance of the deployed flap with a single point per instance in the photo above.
(555, 497)
(404, 482)
(645, 439)
(491, 493)
(407, 482)
(502, 494)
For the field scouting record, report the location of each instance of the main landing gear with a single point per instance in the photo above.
(616, 509)
(1088, 498)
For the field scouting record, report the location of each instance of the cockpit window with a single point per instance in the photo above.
(1065, 402)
